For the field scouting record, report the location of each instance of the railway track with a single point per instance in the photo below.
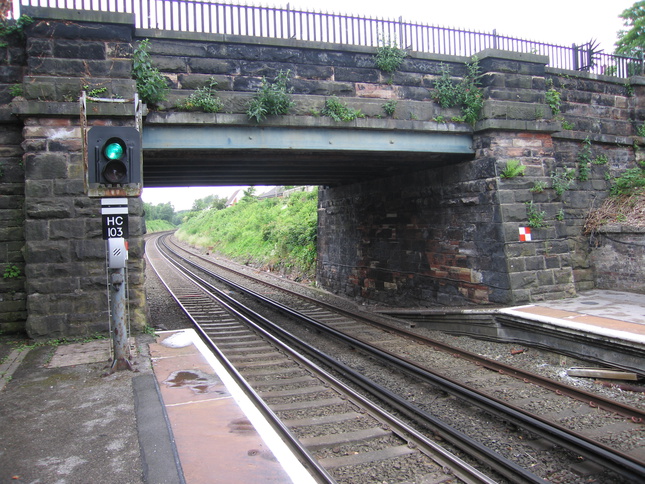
(352, 330)
(338, 434)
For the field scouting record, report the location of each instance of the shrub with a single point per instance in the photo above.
(390, 107)
(273, 98)
(630, 182)
(466, 94)
(339, 111)
(552, 97)
(204, 98)
(389, 57)
(536, 217)
(151, 85)
(561, 182)
(584, 158)
(13, 28)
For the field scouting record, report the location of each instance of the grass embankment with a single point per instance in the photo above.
(277, 233)
(158, 226)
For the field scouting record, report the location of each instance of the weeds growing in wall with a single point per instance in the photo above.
(552, 97)
(13, 28)
(513, 169)
(340, 111)
(389, 56)
(204, 99)
(151, 85)
(466, 94)
(272, 98)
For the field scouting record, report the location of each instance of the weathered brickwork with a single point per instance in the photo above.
(415, 239)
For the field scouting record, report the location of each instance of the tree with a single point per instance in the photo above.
(210, 201)
(249, 194)
(631, 42)
(162, 211)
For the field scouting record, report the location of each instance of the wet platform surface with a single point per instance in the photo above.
(215, 439)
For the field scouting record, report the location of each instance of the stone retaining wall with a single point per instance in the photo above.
(618, 258)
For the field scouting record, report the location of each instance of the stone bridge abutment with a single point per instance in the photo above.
(446, 233)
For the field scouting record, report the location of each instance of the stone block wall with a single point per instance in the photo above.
(317, 71)
(540, 268)
(65, 254)
(618, 258)
(472, 252)
(600, 118)
(422, 239)
(13, 310)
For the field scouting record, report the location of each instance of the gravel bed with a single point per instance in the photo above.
(351, 425)
(544, 363)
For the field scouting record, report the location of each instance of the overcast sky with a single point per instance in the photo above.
(563, 22)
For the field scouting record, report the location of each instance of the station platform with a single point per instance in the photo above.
(176, 418)
(610, 313)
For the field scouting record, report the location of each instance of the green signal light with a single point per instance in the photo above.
(113, 150)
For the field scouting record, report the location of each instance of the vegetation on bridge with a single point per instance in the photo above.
(151, 84)
(466, 94)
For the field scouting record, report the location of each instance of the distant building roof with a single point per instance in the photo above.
(236, 197)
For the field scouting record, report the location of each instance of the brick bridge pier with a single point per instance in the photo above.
(445, 234)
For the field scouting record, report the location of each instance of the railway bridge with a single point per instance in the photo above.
(415, 206)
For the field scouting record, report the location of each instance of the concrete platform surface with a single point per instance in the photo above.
(607, 313)
(219, 434)
(69, 423)
(629, 307)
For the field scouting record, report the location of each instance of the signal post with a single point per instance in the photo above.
(114, 174)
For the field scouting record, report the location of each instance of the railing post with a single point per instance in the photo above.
(589, 53)
(574, 49)
(401, 34)
(288, 21)
(494, 38)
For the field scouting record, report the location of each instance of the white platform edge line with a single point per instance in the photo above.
(612, 333)
(292, 466)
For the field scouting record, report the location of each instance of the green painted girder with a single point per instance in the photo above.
(304, 139)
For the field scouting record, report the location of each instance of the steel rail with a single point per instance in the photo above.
(601, 454)
(258, 322)
(319, 473)
(594, 400)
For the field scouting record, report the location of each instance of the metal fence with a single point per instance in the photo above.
(205, 16)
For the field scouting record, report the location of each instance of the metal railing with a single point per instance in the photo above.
(206, 16)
